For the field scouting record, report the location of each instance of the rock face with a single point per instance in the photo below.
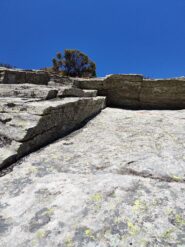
(132, 91)
(12, 76)
(118, 181)
(33, 115)
(163, 94)
(125, 91)
(26, 125)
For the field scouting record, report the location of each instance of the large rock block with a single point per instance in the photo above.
(108, 82)
(131, 91)
(12, 76)
(163, 94)
(120, 90)
(26, 125)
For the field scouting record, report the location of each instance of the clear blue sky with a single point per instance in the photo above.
(121, 36)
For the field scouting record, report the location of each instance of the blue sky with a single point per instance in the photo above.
(121, 36)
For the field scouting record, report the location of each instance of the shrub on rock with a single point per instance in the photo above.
(75, 64)
(57, 62)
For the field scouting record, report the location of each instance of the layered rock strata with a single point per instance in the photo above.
(117, 181)
(33, 115)
(12, 76)
(26, 125)
(132, 91)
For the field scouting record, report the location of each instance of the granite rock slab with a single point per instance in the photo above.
(26, 125)
(118, 181)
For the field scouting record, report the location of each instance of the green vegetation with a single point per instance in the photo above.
(74, 63)
(57, 62)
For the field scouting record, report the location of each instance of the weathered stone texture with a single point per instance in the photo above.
(163, 93)
(131, 91)
(29, 125)
(28, 121)
(43, 92)
(12, 76)
(118, 181)
(125, 91)
(28, 91)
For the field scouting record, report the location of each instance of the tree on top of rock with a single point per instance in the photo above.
(75, 64)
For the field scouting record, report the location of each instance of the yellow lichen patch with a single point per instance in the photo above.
(34, 242)
(96, 197)
(88, 233)
(69, 242)
(169, 211)
(138, 205)
(50, 211)
(40, 234)
(168, 233)
(143, 243)
(133, 229)
(179, 219)
(177, 178)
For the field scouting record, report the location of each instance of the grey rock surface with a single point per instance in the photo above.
(75, 92)
(26, 125)
(43, 91)
(117, 182)
(28, 91)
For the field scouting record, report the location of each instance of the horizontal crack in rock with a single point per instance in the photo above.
(129, 171)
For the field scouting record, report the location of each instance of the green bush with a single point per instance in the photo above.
(57, 62)
(74, 64)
